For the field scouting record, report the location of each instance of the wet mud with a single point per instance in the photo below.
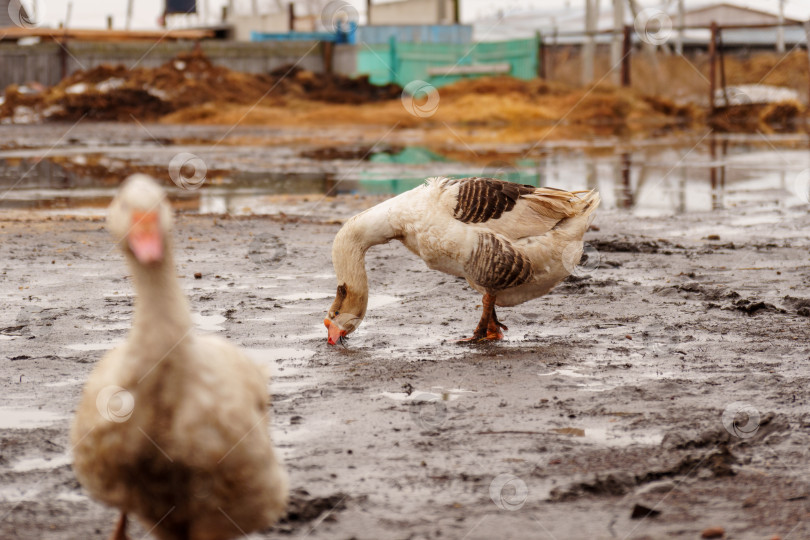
(660, 392)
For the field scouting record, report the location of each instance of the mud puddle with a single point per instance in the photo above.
(657, 376)
(699, 173)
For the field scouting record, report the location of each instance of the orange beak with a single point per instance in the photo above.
(335, 333)
(145, 239)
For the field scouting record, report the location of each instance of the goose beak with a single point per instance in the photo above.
(145, 238)
(335, 332)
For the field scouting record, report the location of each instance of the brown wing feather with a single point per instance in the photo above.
(496, 265)
(482, 199)
(526, 210)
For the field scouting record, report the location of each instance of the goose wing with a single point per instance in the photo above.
(512, 210)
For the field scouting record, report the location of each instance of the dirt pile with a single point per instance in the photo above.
(190, 89)
(119, 94)
(293, 81)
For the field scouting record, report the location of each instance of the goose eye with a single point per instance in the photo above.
(337, 313)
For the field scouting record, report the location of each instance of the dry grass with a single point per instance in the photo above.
(666, 94)
(511, 110)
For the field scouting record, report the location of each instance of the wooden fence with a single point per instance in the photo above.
(48, 63)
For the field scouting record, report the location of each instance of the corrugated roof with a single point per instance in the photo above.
(524, 24)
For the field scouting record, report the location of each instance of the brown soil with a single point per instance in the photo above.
(189, 80)
(191, 90)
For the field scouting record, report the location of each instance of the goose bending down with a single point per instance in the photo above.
(511, 242)
(173, 427)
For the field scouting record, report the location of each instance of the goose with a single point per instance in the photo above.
(172, 426)
(511, 242)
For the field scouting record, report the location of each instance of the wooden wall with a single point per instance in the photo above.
(46, 63)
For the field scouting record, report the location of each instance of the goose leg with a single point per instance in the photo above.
(482, 331)
(495, 326)
(120, 532)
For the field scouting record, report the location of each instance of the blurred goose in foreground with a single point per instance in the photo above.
(511, 242)
(172, 426)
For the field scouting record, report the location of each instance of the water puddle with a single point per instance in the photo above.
(269, 357)
(438, 394)
(288, 374)
(208, 323)
(592, 432)
(617, 437)
(39, 463)
(108, 327)
(87, 347)
(379, 300)
(12, 418)
(588, 383)
(651, 177)
(289, 377)
(374, 301)
(302, 296)
(72, 496)
(59, 384)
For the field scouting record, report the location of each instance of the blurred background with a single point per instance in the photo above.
(248, 106)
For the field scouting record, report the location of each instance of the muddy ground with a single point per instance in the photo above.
(618, 389)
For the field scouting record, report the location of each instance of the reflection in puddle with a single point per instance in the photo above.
(11, 418)
(652, 177)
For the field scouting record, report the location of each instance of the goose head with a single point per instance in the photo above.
(345, 314)
(140, 219)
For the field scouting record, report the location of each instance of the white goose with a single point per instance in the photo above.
(511, 242)
(172, 426)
